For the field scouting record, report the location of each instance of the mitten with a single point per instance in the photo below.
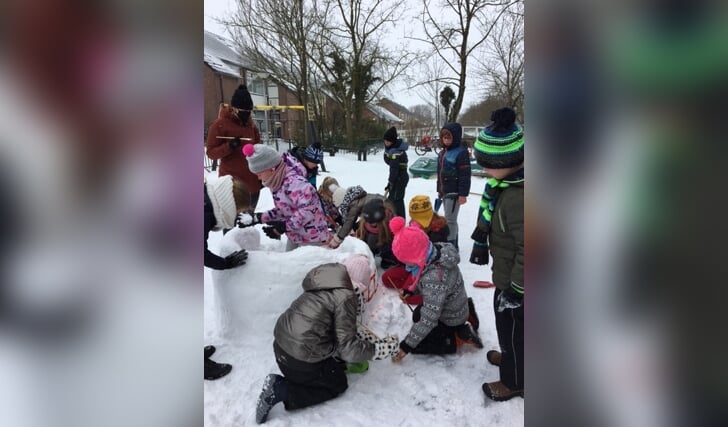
(234, 143)
(236, 259)
(335, 242)
(438, 203)
(386, 347)
(479, 255)
(389, 185)
(510, 298)
(248, 219)
(480, 236)
(275, 229)
(417, 314)
(365, 334)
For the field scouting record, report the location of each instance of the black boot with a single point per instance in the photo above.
(214, 370)
(467, 335)
(274, 389)
(473, 315)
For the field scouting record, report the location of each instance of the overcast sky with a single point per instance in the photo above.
(399, 93)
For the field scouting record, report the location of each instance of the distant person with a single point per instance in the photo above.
(326, 193)
(395, 156)
(310, 157)
(298, 212)
(499, 150)
(233, 128)
(314, 338)
(225, 198)
(453, 176)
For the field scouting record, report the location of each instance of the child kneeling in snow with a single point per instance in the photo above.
(312, 336)
(441, 321)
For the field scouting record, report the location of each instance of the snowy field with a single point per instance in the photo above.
(242, 305)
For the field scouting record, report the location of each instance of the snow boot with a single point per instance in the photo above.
(214, 370)
(209, 351)
(500, 392)
(272, 393)
(494, 357)
(466, 335)
(473, 315)
(357, 368)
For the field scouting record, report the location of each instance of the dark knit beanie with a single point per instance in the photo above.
(373, 211)
(500, 145)
(313, 154)
(241, 98)
(391, 134)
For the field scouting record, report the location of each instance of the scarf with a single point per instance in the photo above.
(352, 193)
(275, 181)
(416, 271)
(493, 188)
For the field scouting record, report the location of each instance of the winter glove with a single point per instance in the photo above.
(248, 219)
(335, 242)
(389, 185)
(479, 255)
(510, 298)
(359, 300)
(417, 314)
(386, 347)
(236, 259)
(365, 334)
(438, 203)
(275, 229)
(234, 143)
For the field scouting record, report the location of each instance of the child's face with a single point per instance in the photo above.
(446, 139)
(388, 143)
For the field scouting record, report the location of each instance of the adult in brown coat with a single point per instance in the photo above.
(233, 128)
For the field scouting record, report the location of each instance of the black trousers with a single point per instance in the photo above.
(397, 193)
(509, 325)
(310, 383)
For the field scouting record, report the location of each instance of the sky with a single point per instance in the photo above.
(399, 93)
(242, 305)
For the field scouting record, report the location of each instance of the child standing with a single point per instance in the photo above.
(314, 339)
(499, 149)
(395, 156)
(297, 212)
(441, 322)
(453, 176)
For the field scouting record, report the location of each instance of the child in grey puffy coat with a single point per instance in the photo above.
(314, 338)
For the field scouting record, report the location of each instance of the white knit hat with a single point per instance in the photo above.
(261, 157)
(220, 191)
(338, 196)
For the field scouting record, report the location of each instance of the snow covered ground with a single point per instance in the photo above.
(421, 390)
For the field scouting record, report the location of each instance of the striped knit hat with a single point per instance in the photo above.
(500, 145)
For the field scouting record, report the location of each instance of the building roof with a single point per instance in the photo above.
(385, 114)
(219, 55)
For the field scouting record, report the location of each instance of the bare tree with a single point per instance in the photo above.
(503, 63)
(456, 31)
(352, 60)
(274, 36)
(429, 87)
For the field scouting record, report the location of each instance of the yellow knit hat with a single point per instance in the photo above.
(420, 210)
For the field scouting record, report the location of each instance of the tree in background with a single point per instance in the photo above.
(446, 97)
(456, 32)
(503, 64)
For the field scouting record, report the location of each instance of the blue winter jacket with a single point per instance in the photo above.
(453, 165)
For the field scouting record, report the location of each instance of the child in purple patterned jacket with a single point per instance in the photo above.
(297, 212)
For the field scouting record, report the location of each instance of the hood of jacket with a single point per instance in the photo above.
(446, 254)
(327, 276)
(457, 134)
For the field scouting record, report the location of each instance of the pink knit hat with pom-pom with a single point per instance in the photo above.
(261, 157)
(410, 244)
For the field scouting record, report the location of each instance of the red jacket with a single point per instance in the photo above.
(232, 162)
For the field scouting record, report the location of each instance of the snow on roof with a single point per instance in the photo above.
(219, 55)
(385, 114)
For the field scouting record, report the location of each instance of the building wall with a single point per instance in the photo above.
(214, 94)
